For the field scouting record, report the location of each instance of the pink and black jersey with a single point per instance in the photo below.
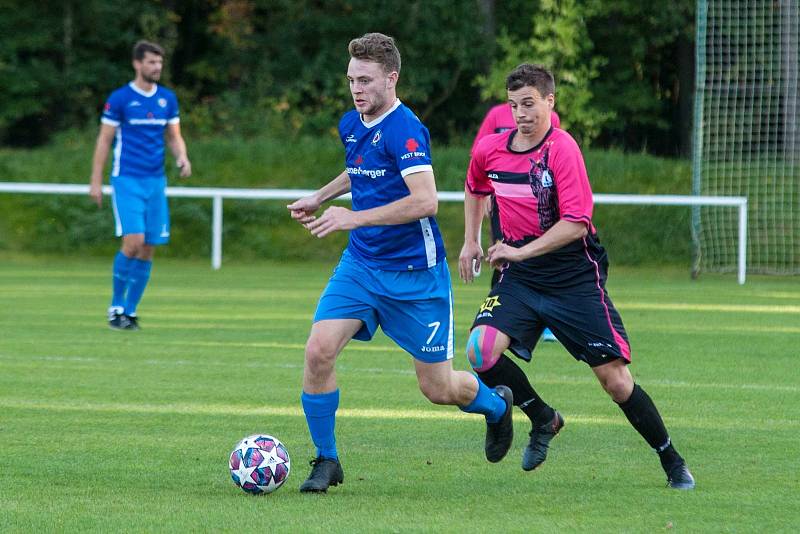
(534, 190)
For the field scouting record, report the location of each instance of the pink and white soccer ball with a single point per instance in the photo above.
(259, 464)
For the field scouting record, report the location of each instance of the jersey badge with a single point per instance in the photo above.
(376, 138)
(547, 180)
(162, 102)
(412, 145)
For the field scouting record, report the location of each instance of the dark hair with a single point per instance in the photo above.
(142, 47)
(376, 47)
(528, 75)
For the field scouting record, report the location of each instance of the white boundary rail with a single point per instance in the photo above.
(216, 194)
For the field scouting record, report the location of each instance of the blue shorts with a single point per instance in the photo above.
(140, 207)
(414, 308)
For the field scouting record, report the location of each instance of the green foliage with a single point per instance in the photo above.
(559, 41)
(284, 63)
(54, 60)
(645, 46)
(256, 67)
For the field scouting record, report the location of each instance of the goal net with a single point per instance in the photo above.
(746, 138)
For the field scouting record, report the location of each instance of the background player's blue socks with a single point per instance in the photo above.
(320, 410)
(121, 270)
(137, 281)
(487, 402)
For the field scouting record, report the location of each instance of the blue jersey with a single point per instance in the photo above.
(378, 155)
(140, 119)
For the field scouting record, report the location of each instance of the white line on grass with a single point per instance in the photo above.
(732, 308)
(166, 314)
(540, 378)
(360, 413)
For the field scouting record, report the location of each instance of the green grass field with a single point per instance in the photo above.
(130, 431)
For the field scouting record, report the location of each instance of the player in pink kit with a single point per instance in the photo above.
(553, 271)
(500, 119)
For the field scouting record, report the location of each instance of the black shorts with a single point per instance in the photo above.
(582, 318)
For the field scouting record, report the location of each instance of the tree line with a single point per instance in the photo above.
(623, 68)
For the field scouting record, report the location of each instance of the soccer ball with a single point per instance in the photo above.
(259, 464)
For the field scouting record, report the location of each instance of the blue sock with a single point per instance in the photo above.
(121, 270)
(487, 402)
(137, 281)
(320, 410)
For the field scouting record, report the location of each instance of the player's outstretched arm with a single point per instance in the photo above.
(420, 202)
(101, 149)
(178, 148)
(471, 253)
(302, 210)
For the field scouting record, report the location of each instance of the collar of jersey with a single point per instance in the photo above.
(148, 95)
(533, 148)
(379, 119)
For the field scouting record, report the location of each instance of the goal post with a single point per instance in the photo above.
(746, 138)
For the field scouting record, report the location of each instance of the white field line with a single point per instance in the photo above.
(266, 364)
(353, 413)
(620, 304)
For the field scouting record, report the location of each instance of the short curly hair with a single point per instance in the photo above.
(143, 47)
(378, 48)
(528, 75)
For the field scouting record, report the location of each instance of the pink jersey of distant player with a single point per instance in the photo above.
(534, 189)
(500, 119)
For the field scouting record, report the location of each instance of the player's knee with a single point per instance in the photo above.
(618, 385)
(133, 245)
(318, 353)
(146, 252)
(481, 351)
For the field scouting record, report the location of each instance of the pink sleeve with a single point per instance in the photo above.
(487, 127)
(575, 201)
(478, 182)
(555, 120)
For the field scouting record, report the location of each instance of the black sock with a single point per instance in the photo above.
(507, 373)
(644, 416)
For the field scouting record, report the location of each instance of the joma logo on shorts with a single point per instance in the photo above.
(435, 348)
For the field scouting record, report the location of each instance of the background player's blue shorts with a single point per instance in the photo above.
(414, 308)
(140, 207)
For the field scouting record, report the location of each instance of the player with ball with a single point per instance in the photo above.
(393, 273)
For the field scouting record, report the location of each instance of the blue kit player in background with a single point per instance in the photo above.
(393, 273)
(136, 118)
